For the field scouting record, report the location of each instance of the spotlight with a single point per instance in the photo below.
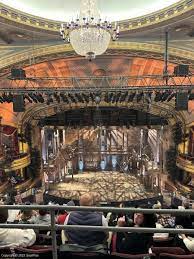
(18, 73)
(97, 99)
(92, 97)
(64, 98)
(79, 98)
(131, 97)
(72, 98)
(40, 98)
(165, 95)
(158, 97)
(49, 99)
(86, 98)
(57, 97)
(33, 97)
(28, 98)
(171, 97)
(123, 97)
(139, 97)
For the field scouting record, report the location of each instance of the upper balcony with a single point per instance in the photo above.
(186, 163)
(18, 162)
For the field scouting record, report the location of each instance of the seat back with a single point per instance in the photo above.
(42, 252)
(170, 250)
(173, 256)
(163, 242)
(137, 256)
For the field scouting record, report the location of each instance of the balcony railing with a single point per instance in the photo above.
(186, 163)
(19, 162)
(54, 227)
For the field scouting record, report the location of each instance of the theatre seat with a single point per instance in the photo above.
(173, 256)
(42, 252)
(171, 250)
(163, 242)
(138, 256)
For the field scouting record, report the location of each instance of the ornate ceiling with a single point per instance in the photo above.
(111, 66)
(34, 43)
(63, 10)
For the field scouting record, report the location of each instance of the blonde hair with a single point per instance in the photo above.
(87, 199)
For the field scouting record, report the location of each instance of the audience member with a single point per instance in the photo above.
(15, 237)
(86, 237)
(135, 243)
(63, 214)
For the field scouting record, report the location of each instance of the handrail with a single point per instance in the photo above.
(101, 209)
(53, 227)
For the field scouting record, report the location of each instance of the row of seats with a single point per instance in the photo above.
(45, 252)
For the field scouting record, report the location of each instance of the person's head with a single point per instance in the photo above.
(43, 212)
(138, 219)
(86, 199)
(3, 215)
(27, 214)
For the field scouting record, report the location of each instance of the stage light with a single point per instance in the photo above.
(64, 98)
(148, 97)
(114, 98)
(158, 97)
(123, 97)
(131, 97)
(32, 96)
(139, 97)
(40, 98)
(110, 96)
(72, 98)
(97, 99)
(118, 96)
(79, 98)
(57, 97)
(106, 98)
(28, 98)
(18, 73)
(171, 97)
(165, 95)
(49, 99)
(86, 98)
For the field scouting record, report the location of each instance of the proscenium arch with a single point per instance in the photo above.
(40, 111)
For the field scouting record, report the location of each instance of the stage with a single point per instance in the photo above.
(108, 187)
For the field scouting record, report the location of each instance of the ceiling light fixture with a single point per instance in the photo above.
(88, 34)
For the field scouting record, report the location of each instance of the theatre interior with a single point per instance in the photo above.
(97, 97)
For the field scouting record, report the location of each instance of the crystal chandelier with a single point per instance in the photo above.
(88, 34)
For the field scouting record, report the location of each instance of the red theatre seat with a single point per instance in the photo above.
(138, 256)
(170, 250)
(42, 252)
(173, 256)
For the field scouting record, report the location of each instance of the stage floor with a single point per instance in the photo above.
(108, 186)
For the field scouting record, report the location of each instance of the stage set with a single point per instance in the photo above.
(118, 164)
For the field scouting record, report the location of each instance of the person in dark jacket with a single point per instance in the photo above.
(86, 237)
(136, 243)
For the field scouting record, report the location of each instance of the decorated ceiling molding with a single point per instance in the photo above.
(181, 8)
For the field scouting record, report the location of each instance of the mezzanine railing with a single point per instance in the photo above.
(53, 227)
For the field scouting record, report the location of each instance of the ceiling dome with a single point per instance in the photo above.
(63, 10)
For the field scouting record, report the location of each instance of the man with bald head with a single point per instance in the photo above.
(86, 237)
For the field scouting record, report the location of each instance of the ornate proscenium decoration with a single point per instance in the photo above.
(88, 34)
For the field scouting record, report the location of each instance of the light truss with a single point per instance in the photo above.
(68, 84)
